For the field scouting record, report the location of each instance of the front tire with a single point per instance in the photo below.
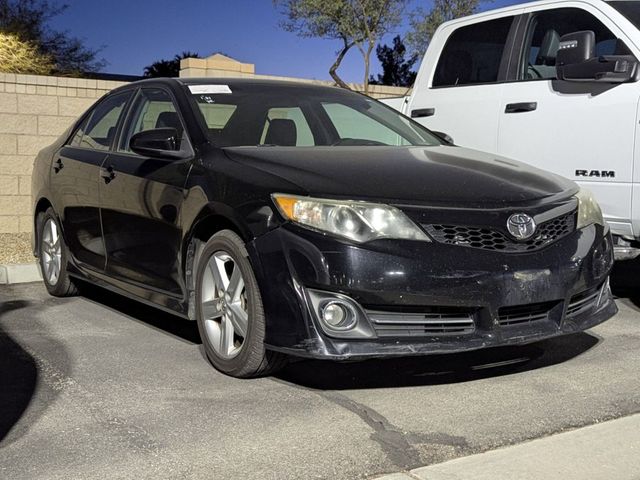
(229, 310)
(53, 255)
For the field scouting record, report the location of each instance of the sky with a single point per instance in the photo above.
(135, 33)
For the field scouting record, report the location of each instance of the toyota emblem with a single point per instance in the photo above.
(521, 226)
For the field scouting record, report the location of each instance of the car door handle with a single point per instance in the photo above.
(107, 174)
(520, 107)
(423, 112)
(58, 165)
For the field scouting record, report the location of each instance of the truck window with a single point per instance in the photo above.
(472, 54)
(546, 28)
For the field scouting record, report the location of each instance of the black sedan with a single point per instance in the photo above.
(294, 219)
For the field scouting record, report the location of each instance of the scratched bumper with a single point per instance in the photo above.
(510, 298)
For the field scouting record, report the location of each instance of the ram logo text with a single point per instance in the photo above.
(596, 173)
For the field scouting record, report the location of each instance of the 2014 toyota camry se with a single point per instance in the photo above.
(296, 219)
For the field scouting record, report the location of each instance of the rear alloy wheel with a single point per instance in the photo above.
(52, 253)
(230, 314)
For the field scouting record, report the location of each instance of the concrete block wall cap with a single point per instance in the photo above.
(20, 273)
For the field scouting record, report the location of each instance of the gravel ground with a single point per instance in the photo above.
(15, 248)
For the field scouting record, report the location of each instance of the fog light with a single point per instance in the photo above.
(338, 315)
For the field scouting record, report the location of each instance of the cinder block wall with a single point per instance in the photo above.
(34, 111)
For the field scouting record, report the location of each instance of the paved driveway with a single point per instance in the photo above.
(101, 387)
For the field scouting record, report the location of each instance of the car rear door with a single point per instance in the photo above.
(458, 91)
(75, 180)
(141, 199)
(583, 131)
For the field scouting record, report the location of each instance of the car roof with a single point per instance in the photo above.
(231, 81)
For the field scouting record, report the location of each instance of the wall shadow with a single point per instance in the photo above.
(437, 369)
(18, 378)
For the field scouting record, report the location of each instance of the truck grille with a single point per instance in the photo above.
(434, 321)
(488, 238)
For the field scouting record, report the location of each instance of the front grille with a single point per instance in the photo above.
(583, 301)
(431, 321)
(519, 314)
(489, 238)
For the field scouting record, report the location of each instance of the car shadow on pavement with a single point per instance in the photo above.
(437, 369)
(164, 322)
(18, 379)
(378, 373)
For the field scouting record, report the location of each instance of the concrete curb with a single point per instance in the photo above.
(20, 273)
(604, 451)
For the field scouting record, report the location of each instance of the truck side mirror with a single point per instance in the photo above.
(576, 61)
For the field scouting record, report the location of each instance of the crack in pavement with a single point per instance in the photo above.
(394, 443)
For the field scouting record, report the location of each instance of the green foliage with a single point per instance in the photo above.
(28, 19)
(359, 23)
(167, 68)
(396, 68)
(17, 56)
(424, 24)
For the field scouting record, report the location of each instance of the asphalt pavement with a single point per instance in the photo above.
(98, 386)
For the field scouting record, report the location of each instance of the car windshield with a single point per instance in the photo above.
(630, 9)
(245, 114)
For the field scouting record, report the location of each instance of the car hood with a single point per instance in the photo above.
(441, 175)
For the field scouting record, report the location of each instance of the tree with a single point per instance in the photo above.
(359, 23)
(167, 68)
(27, 20)
(396, 69)
(424, 24)
(17, 56)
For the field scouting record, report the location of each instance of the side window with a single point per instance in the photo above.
(353, 125)
(153, 108)
(545, 30)
(473, 54)
(99, 129)
(286, 126)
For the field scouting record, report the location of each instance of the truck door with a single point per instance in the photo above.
(582, 131)
(458, 89)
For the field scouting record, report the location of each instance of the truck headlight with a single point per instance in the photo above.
(358, 221)
(588, 209)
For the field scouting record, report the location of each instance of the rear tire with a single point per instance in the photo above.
(53, 256)
(229, 310)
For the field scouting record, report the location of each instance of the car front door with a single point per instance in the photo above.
(458, 92)
(141, 199)
(583, 131)
(75, 180)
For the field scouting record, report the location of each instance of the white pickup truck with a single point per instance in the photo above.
(552, 83)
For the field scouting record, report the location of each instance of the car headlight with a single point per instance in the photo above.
(588, 209)
(358, 221)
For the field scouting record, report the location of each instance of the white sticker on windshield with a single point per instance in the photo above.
(209, 89)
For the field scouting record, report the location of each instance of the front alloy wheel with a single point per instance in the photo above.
(230, 314)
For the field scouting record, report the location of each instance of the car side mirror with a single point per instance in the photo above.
(444, 137)
(576, 61)
(157, 143)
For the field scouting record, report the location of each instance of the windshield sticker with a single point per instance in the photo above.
(209, 89)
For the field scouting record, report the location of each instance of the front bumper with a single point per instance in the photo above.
(510, 298)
